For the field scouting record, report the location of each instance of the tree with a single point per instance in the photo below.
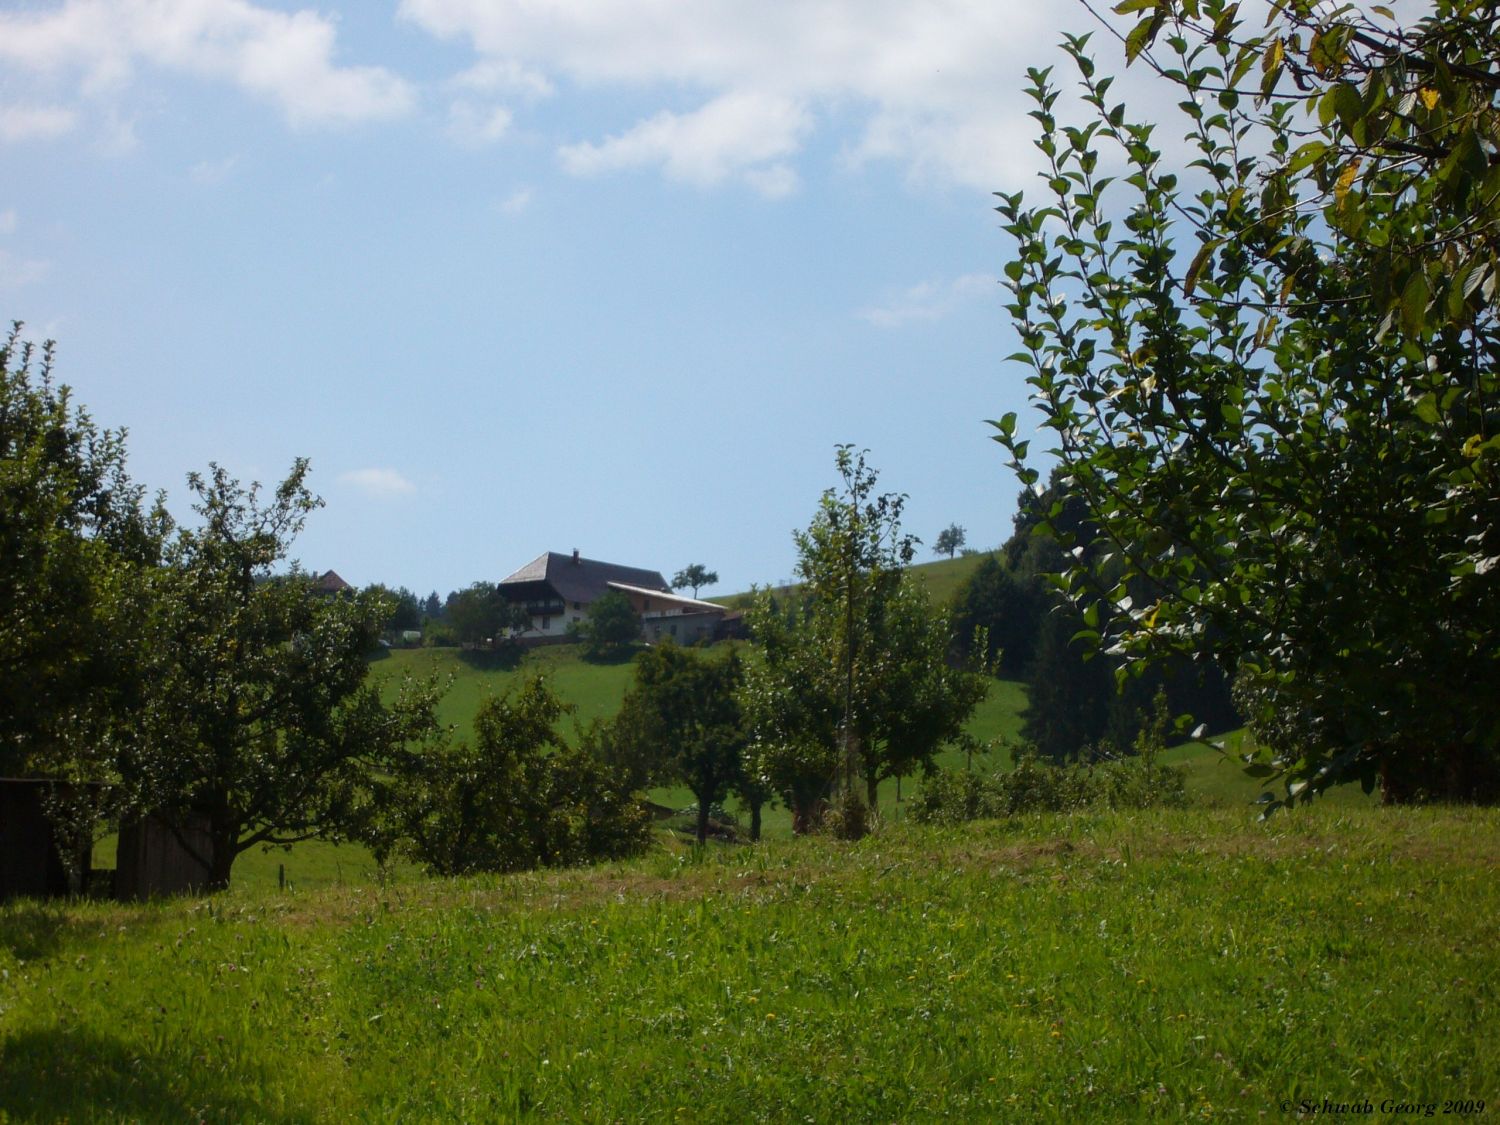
(683, 711)
(1273, 380)
(262, 724)
(517, 799)
(949, 540)
(482, 616)
(406, 610)
(854, 682)
(76, 543)
(610, 628)
(695, 575)
(432, 606)
(1005, 610)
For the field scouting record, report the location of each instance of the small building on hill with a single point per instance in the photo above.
(330, 583)
(557, 590)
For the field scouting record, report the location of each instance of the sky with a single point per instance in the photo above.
(522, 276)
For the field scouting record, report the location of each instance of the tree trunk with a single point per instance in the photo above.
(702, 821)
(755, 821)
(225, 840)
(872, 792)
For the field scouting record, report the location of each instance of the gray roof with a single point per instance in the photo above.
(583, 580)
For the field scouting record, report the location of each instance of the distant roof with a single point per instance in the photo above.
(675, 599)
(330, 583)
(584, 580)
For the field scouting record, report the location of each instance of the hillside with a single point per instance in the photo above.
(942, 577)
(1100, 967)
(596, 690)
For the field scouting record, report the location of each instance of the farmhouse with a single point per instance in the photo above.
(558, 589)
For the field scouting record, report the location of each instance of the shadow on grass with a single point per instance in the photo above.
(30, 930)
(503, 659)
(612, 656)
(60, 1075)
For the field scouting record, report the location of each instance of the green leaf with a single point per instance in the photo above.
(1201, 259)
(1414, 301)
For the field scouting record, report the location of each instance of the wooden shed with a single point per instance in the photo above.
(151, 859)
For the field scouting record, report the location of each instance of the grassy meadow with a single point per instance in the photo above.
(1176, 964)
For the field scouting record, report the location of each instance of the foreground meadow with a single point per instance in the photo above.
(1186, 963)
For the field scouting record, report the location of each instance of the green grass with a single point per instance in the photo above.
(595, 690)
(1093, 967)
(942, 577)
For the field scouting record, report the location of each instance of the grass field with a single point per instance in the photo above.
(1190, 964)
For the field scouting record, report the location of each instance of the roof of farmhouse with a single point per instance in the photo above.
(581, 580)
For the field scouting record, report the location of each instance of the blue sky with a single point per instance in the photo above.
(521, 276)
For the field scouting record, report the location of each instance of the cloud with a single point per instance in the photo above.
(8, 221)
(933, 87)
(16, 272)
(30, 122)
(210, 172)
(284, 58)
(929, 300)
(517, 201)
(475, 125)
(737, 134)
(378, 484)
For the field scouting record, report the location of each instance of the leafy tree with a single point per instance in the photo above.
(406, 610)
(432, 606)
(262, 723)
(76, 543)
(519, 798)
(1272, 380)
(695, 575)
(610, 628)
(949, 540)
(683, 711)
(854, 681)
(482, 616)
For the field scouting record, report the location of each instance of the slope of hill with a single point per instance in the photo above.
(942, 578)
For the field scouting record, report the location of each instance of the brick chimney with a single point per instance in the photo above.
(575, 556)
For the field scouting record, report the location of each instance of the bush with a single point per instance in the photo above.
(1035, 785)
(518, 799)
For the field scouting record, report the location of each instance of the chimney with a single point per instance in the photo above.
(575, 556)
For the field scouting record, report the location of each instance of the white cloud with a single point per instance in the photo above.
(932, 86)
(378, 484)
(8, 221)
(285, 58)
(504, 76)
(475, 125)
(517, 201)
(32, 122)
(210, 172)
(929, 300)
(737, 134)
(17, 272)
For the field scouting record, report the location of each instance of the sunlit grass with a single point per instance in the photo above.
(1090, 967)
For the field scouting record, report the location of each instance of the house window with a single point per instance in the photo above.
(647, 604)
(546, 624)
(577, 605)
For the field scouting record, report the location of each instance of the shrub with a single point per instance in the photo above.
(519, 798)
(1035, 785)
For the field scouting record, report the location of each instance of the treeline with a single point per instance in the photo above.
(1083, 703)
